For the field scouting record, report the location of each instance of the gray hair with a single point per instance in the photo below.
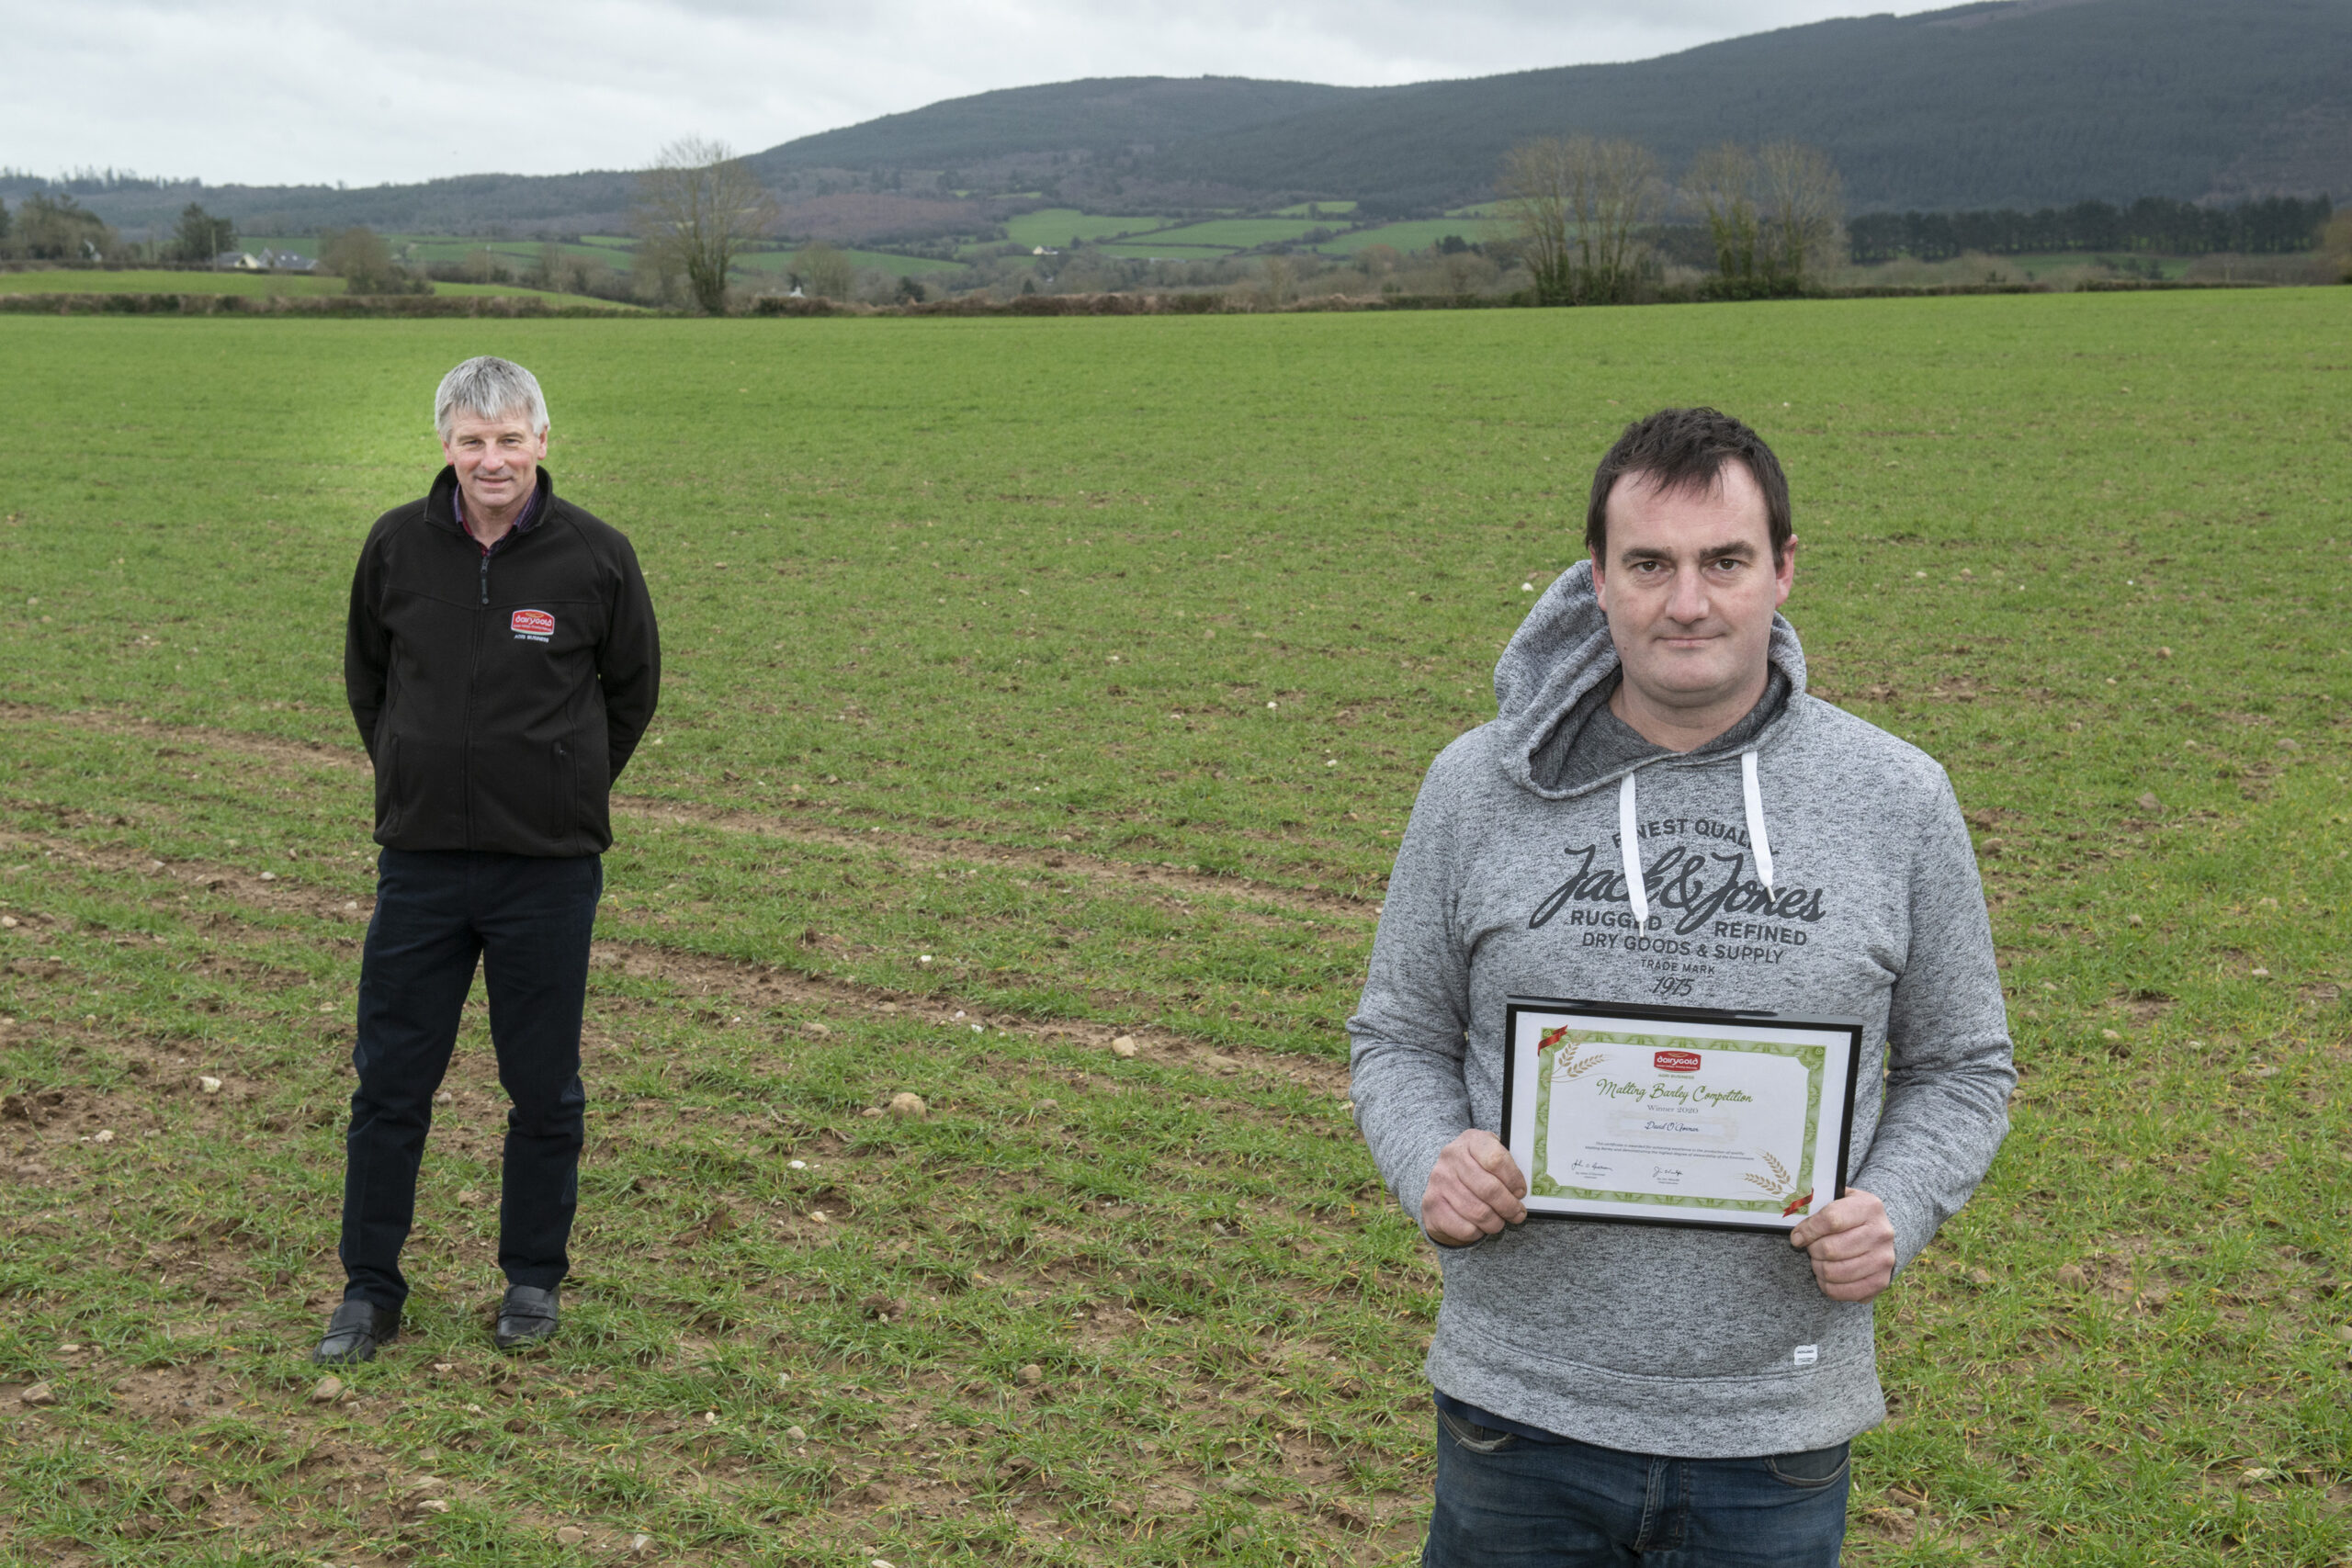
(489, 387)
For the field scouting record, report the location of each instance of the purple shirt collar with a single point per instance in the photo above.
(523, 525)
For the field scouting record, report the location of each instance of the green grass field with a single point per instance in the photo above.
(1034, 683)
(250, 285)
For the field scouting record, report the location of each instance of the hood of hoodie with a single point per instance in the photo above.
(1561, 655)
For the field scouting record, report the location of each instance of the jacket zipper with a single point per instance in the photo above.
(473, 679)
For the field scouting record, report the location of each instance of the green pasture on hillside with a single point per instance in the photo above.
(1240, 233)
(1057, 226)
(1316, 210)
(1152, 250)
(1031, 684)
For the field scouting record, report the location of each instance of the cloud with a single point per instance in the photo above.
(272, 92)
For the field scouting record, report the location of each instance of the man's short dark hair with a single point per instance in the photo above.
(1686, 449)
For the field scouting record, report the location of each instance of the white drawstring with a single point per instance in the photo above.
(1755, 838)
(1625, 846)
(1628, 846)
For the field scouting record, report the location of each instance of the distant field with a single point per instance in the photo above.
(1057, 226)
(2056, 265)
(445, 251)
(1417, 235)
(75, 280)
(439, 249)
(1148, 250)
(1031, 683)
(69, 280)
(880, 261)
(1240, 233)
(1316, 210)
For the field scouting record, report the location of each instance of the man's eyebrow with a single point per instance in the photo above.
(1739, 547)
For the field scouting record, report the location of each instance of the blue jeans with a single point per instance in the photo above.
(1513, 1503)
(526, 921)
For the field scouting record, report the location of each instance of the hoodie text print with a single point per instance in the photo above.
(1804, 861)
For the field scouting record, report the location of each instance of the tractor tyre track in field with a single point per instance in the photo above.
(919, 851)
(744, 982)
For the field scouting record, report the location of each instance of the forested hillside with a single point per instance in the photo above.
(1107, 115)
(1985, 106)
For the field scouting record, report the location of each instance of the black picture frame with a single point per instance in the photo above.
(1696, 1020)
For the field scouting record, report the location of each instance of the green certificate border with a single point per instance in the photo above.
(1813, 1057)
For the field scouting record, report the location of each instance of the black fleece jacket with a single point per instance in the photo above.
(499, 694)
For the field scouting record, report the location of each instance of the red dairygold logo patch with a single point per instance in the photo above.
(1676, 1061)
(533, 624)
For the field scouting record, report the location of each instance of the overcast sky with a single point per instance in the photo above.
(273, 91)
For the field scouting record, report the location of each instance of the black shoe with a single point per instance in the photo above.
(526, 1317)
(355, 1331)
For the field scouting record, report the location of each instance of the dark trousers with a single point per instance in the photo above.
(1509, 1502)
(527, 921)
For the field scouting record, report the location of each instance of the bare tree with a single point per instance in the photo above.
(703, 206)
(362, 258)
(1721, 183)
(825, 271)
(2334, 244)
(1803, 203)
(1280, 274)
(1776, 216)
(1579, 205)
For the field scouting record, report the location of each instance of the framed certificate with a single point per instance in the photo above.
(1680, 1116)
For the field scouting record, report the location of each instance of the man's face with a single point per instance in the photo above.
(1690, 587)
(497, 458)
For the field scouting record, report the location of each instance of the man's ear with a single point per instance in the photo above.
(1785, 569)
(1599, 587)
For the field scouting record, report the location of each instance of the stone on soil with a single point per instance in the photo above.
(327, 1391)
(904, 1103)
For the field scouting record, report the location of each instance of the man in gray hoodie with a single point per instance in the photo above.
(1609, 1392)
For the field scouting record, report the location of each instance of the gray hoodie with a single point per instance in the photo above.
(1810, 863)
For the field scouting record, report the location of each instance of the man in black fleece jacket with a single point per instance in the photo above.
(501, 663)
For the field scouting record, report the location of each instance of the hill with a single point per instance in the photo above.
(2014, 103)
(1108, 115)
(466, 204)
(2025, 104)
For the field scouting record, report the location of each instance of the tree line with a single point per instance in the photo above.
(2155, 224)
(1585, 211)
(55, 227)
(48, 227)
